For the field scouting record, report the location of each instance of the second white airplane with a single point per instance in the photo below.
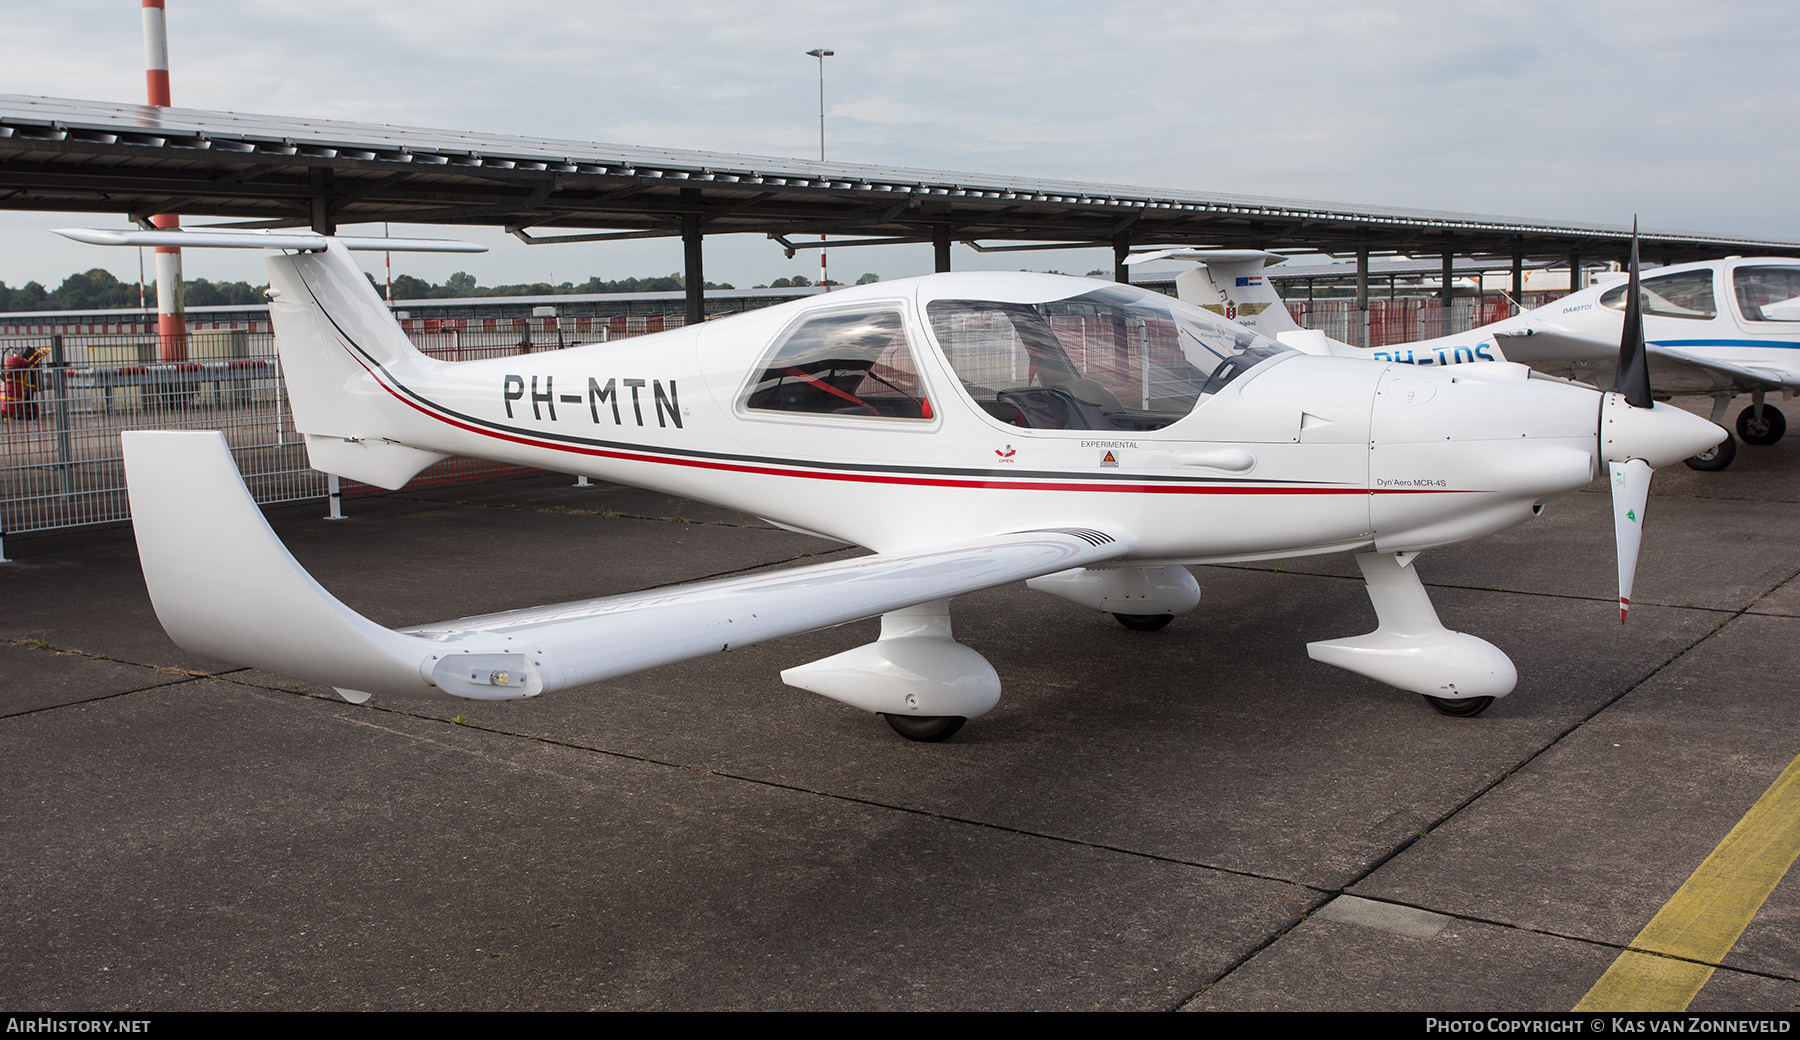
(1718, 328)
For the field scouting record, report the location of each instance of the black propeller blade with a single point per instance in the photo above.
(1633, 375)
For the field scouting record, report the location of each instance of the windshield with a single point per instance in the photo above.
(1684, 294)
(1114, 358)
(1768, 293)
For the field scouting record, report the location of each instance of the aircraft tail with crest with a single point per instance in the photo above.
(1231, 284)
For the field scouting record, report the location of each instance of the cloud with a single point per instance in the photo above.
(1592, 111)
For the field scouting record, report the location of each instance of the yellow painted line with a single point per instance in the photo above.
(1672, 958)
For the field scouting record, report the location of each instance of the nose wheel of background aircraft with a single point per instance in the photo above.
(1145, 622)
(927, 729)
(1716, 457)
(1761, 430)
(1459, 707)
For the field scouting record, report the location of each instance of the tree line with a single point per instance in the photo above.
(98, 289)
(462, 285)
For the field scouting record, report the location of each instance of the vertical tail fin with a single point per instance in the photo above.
(340, 348)
(1230, 283)
(339, 345)
(335, 335)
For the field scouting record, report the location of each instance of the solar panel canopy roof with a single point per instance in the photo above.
(275, 171)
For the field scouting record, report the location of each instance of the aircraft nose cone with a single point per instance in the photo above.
(1660, 435)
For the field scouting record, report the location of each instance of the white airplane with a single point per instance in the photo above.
(971, 430)
(1718, 328)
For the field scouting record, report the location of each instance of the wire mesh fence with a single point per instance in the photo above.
(65, 397)
(1405, 320)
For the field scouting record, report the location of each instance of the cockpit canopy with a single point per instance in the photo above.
(1115, 357)
(1045, 353)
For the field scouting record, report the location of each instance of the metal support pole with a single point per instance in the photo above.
(1362, 297)
(1518, 272)
(820, 53)
(319, 179)
(696, 275)
(1574, 272)
(1121, 250)
(337, 497)
(171, 321)
(59, 404)
(940, 244)
(1445, 289)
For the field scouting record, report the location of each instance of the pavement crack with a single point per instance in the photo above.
(1489, 588)
(1551, 933)
(1556, 742)
(838, 797)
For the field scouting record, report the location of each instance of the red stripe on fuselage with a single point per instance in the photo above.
(891, 478)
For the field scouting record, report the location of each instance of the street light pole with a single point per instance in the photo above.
(822, 53)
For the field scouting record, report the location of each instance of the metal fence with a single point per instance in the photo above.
(66, 396)
(1405, 320)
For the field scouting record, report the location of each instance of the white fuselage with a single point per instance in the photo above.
(1299, 455)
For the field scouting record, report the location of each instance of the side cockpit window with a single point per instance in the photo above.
(843, 363)
(1684, 294)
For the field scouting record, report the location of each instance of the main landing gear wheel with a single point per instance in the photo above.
(1764, 431)
(1459, 707)
(1145, 622)
(927, 729)
(1716, 457)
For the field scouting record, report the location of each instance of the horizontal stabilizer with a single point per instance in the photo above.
(223, 585)
(1217, 256)
(224, 238)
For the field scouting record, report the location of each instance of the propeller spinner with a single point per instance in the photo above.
(1637, 435)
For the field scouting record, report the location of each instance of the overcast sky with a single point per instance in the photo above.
(1683, 113)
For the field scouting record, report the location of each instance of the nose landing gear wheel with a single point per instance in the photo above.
(1764, 431)
(1716, 457)
(1145, 622)
(927, 729)
(1459, 707)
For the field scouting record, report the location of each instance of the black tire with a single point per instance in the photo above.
(926, 729)
(1145, 622)
(1715, 458)
(1761, 432)
(1459, 707)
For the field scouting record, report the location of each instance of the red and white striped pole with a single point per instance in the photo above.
(171, 320)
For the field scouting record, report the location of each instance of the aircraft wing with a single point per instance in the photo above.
(1535, 343)
(224, 586)
(1741, 376)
